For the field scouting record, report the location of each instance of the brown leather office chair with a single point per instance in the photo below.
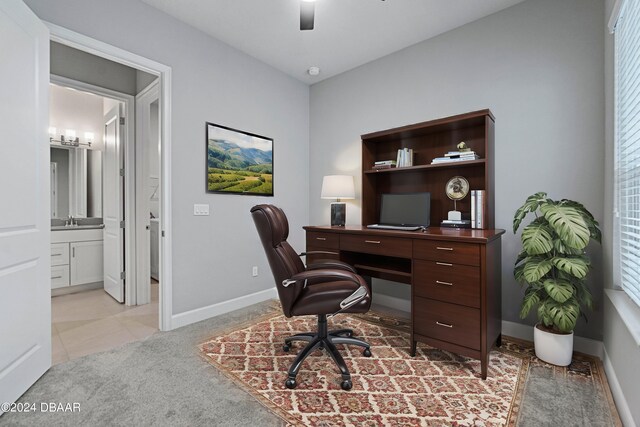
(323, 289)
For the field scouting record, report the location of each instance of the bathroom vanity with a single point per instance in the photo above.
(76, 256)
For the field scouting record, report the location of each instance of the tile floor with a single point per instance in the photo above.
(91, 321)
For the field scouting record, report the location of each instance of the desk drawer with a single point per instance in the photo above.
(59, 253)
(380, 245)
(323, 240)
(447, 322)
(458, 284)
(452, 252)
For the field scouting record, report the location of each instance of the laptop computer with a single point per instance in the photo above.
(404, 212)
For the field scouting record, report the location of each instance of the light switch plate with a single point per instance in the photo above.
(200, 210)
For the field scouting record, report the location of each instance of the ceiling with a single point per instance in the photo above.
(347, 33)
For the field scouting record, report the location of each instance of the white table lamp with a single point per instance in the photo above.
(338, 187)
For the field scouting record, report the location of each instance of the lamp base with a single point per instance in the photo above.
(338, 214)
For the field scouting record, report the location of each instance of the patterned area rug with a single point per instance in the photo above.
(391, 388)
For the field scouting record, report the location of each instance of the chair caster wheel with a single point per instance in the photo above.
(285, 348)
(290, 383)
(346, 385)
(366, 352)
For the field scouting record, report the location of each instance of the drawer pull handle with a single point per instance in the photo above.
(56, 277)
(377, 242)
(321, 238)
(443, 249)
(56, 254)
(444, 283)
(446, 264)
(446, 325)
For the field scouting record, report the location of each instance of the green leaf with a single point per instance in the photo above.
(563, 249)
(543, 314)
(535, 268)
(564, 316)
(583, 295)
(531, 298)
(558, 289)
(521, 257)
(568, 224)
(518, 273)
(537, 239)
(530, 205)
(577, 267)
(591, 222)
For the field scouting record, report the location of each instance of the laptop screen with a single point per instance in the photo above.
(406, 209)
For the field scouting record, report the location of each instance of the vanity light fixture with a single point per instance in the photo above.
(69, 138)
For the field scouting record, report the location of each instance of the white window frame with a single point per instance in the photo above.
(622, 275)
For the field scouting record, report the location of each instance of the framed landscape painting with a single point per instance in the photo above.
(238, 162)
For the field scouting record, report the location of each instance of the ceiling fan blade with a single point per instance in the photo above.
(307, 10)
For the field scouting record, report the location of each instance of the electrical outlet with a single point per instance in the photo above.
(255, 270)
(201, 210)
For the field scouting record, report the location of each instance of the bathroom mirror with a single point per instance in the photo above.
(76, 182)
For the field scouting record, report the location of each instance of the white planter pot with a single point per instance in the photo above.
(556, 349)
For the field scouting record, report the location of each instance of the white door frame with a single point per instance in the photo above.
(128, 147)
(87, 44)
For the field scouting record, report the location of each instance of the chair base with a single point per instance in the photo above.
(327, 340)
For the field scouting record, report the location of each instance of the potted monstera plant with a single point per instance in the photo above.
(553, 267)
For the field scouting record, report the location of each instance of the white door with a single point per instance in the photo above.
(25, 285)
(113, 205)
(147, 186)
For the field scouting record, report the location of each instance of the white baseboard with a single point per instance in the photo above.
(580, 344)
(193, 316)
(401, 304)
(616, 391)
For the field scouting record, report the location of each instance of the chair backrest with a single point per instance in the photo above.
(273, 229)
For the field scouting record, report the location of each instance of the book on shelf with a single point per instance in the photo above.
(460, 154)
(381, 167)
(404, 158)
(384, 164)
(454, 159)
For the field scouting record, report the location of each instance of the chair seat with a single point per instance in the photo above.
(324, 298)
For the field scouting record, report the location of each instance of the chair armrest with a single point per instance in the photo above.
(325, 274)
(331, 264)
(317, 253)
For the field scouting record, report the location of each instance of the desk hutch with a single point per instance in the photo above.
(455, 274)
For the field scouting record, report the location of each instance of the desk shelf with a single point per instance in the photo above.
(450, 165)
(380, 266)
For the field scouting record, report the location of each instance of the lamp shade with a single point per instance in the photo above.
(338, 187)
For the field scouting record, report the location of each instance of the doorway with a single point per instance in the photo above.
(93, 226)
(86, 44)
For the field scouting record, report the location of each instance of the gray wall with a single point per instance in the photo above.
(82, 66)
(212, 256)
(537, 65)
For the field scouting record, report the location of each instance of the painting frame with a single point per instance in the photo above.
(238, 162)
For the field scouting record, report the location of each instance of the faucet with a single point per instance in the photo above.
(70, 221)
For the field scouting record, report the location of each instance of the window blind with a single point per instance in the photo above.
(627, 147)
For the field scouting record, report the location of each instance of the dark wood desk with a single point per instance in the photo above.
(455, 278)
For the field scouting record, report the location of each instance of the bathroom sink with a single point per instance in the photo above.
(76, 227)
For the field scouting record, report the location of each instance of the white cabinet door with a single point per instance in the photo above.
(86, 262)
